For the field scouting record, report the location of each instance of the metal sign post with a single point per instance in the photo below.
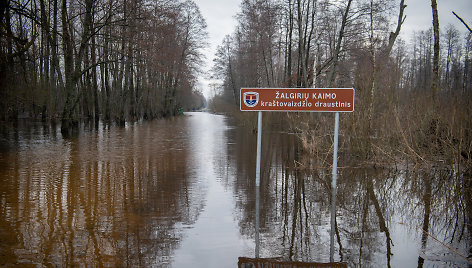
(259, 141)
(258, 177)
(297, 100)
(333, 187)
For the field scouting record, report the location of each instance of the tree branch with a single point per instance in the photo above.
(393, 35)
(470, 30)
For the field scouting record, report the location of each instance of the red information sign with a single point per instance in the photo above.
(297, 99)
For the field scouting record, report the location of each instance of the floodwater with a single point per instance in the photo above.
(181, 193)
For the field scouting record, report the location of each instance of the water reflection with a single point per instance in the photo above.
(106, 198)
(181, 192)
(378, 211)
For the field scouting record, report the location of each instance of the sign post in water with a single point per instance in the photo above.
(298, 100)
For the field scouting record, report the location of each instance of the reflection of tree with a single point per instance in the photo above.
(426, 217)
(111, 198)
(295, 206)
(298, 195)
(445, 190)
(366, 216)
(283, 196)
(467, 182)
(382, 223)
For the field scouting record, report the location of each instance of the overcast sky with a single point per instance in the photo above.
(419, 15)
(220, 18)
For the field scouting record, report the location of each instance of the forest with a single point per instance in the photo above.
(133, 195)
(126, 60)
(413, 97)
(114, 60)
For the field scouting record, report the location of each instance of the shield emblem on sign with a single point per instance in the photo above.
(251, 99)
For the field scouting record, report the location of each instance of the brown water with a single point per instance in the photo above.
(180, 193)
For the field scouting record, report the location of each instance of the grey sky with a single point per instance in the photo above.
(221, 21)
(419, 15)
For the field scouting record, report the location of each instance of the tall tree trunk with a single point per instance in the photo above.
(435, 84)
(54, 65)
(302, 73)
(313, 31)
(393, 35)
(96, 107)
(385, 54)
(104, 70)
(129, 68)
(338, 45)
(54, 70)
(289, 49)
(373, 74)
(45, 58)
(230, 72)
(73, 73)
(67, 121)
(6, 64)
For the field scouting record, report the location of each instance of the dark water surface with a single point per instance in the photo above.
(180, 193)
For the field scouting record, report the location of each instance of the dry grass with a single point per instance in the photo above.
(405, 126)
(413, 129)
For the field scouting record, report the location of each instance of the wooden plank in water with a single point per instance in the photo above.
(276, 263)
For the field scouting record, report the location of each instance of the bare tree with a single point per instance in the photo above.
(337, 49)
(435, 82)
(385, 53)
(223, 68)
(453, 50)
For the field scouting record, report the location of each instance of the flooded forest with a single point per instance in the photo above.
(107, 161)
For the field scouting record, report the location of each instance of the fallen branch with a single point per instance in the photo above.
(451, 249)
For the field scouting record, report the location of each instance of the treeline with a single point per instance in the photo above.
(412, 98)
(119, 60)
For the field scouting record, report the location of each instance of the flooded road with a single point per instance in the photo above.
(180, 193)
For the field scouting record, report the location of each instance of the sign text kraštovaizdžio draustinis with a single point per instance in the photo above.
(300, 99)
